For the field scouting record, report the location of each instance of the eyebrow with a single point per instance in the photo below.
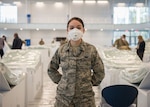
(76, 26)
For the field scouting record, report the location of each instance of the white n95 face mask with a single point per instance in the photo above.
(75, 34)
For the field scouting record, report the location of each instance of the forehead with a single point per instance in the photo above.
(75, 23)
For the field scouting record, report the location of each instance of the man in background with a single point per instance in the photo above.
(1, 47)
(122, 43)
(17, 42)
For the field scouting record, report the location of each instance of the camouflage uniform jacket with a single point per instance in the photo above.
(79, 73)
(120, 42)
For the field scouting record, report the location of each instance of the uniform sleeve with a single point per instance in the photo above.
(53, 68)
(116, 43)
(98, 69)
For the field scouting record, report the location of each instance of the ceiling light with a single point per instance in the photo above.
(77, 1)
(5, 28)
(21, 28)
(40, 4)
(58, 4)
(90, 1)
(102, 2)
(139, 4)
(101, 29)
(117, 29)
(37, 29)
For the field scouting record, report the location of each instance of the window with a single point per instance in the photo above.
(130, 15)
(8, 14)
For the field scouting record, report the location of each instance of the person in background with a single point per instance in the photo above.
(4, 37)
(121, 43)
(81, 66)
(41, 42)
(140, 47)
(6, 45)
(1, 46)
(17, 42)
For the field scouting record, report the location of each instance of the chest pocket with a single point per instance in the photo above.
(84, 62)
(64, 61)
(81, 62)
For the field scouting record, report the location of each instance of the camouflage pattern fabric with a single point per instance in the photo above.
(80, 71)
(74, 103)
(120, 42)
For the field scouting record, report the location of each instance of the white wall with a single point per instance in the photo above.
(102, 38)
(94, 37)
(49, 13)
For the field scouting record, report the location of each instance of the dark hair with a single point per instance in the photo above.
(4, 37)
(140, 38)
(124, 35)
(16, 34)
(76, 18)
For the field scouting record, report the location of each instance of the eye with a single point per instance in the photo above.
(71, 28)
(79, 28)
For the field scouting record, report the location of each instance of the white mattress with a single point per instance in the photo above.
(127, 62)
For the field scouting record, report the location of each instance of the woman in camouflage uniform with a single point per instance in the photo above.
(81, 66)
